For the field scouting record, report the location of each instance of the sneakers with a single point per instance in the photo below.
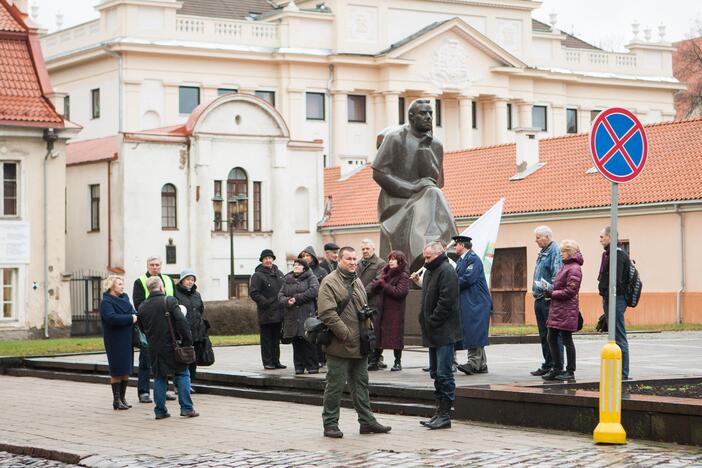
(333, 432)
(551, 375)
(540, 371)
(374, 428)
(565, 376)
(189, 414)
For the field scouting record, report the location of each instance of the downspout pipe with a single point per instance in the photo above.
(678, 295)
(330, 125)
(50, 138)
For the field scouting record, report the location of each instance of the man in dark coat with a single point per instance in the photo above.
(331, 257)
(475, 305)
(153, 317)
(263, 290)
(440, 321)
(369, 269)
(623, 263)
(412, 209)
(139, 293)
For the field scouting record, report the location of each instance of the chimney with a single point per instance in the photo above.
(527, 151)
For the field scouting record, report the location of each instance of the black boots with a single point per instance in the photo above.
(433, 418)
(123, 393)
(374, 360)
(398, 360)
(117, 397)
(443, 418)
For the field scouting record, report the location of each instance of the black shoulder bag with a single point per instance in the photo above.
(183, 354)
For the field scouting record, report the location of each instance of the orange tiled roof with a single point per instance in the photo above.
(477, 178)
(90, 151)
(22, 99)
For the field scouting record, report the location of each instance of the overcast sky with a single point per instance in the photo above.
(606, 23)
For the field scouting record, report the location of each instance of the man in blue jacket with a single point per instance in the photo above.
(475, 304)
(548, 262)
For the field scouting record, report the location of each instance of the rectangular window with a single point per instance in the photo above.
(222, 91)
(571, 121)
(8, 189)
(8, 293)
(67, 107)
(95, 100)
(509, 116)
(401, 110)
(315, 106)
(218, 189)
(169, 207)
(188, 98)
(217, 205)
(268, 96)
(437, 113)
(94, 207)
(594, 114)
(538, 118)
(474, 113)
(357, 108)
(257, 206)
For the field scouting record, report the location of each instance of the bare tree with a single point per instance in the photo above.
(687, 68)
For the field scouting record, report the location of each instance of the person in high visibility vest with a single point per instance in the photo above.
(139, 294)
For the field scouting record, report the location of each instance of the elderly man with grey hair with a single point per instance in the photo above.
(153, 318)
(440, 321)
(548, 262)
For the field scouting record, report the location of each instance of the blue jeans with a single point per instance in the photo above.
(441, 370)
(620, 333)
(541, 310)
(144, 372)
(182, 381)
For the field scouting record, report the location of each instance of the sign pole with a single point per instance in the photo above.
(610, 430)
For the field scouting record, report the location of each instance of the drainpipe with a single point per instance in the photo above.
(120, 83)
(678, 295)
(50, 138)
(330, 126)
(109, 215)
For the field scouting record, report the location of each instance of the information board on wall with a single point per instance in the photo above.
(15, 242)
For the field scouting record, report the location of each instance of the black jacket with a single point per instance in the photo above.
(329, 266)
(440, 318)
(263, 289)
(316, 268)
(152, 321)
(304, 289)
(623, 262)
(196, 310)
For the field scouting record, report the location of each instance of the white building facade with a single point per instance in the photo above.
(342, 71)
(175, 192)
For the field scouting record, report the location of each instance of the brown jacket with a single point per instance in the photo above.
(333, 290)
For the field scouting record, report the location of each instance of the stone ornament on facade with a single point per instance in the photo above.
(362, 25)
(449, 68)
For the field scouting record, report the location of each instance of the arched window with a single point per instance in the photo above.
(169, 207)
(302, 210)
(238, 199)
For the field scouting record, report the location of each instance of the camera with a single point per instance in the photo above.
(367, 312)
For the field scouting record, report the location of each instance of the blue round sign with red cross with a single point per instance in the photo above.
(618, 145)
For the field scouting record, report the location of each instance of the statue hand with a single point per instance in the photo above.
(425, 182)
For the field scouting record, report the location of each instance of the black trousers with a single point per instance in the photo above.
(270, 343)
(304, 354)
(553, 343)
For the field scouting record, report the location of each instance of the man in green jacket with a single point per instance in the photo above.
(339, 311)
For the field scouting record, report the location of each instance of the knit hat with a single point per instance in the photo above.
(185, 273)
(266, 253)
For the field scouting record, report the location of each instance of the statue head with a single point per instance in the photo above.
(421, 115)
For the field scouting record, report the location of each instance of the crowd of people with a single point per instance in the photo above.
(352, 297)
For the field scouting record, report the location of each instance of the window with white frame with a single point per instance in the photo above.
(8, 293)
(9, 171)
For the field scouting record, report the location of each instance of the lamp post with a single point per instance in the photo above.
(232, 222)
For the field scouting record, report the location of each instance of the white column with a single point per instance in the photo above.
(465, 121)
(524, 115)
(340, 115)
(392, 114)
(557, 126)
(500, 118)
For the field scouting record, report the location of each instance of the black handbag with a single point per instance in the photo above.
(183, 354)
(138, 338)
(204, 353)
(581, 321)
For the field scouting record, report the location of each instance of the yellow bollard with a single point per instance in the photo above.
(610, 430)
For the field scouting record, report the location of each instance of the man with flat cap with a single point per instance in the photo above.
(263, 289)
(475, 305)
(331, 257)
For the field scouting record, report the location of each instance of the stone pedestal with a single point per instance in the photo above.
(413, 332)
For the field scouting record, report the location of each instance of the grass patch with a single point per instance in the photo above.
(88, 344)
(512, 330)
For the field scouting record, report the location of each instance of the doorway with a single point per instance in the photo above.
(508, 282)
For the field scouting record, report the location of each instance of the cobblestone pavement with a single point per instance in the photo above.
(77, 418)
(10, 460)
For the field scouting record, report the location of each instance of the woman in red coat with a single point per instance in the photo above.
(392, 287)
(564, 311)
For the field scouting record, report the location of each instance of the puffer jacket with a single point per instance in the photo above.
(263, 289)
(565, 304)
(304, 289)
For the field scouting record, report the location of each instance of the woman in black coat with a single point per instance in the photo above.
(118, 319)
(298, 295)
(187, 295)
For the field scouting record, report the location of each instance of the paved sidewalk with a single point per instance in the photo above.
(653, 355)
(77, 418)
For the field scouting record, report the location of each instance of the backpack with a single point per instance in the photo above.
(633, 286)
